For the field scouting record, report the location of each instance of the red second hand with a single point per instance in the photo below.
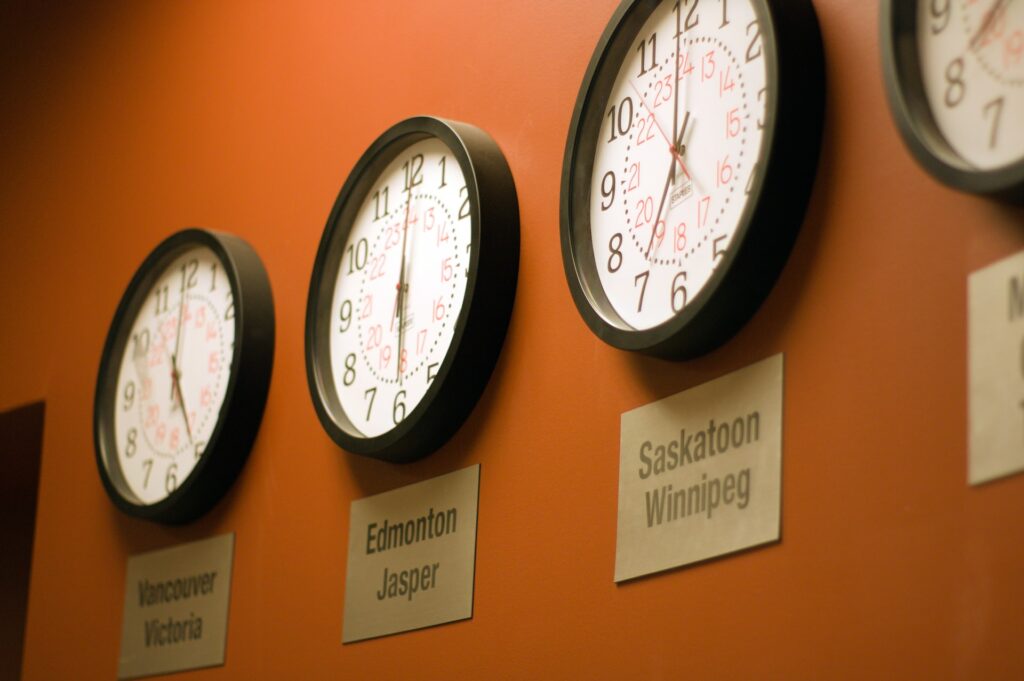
(671, 147)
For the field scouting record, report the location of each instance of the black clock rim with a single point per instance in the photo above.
(909, 106)
(770, 222)
(245, 394)
(481, 325)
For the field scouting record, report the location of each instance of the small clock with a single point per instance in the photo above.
(412, 289)
(954, 73)
(184, 376)
(690, 159)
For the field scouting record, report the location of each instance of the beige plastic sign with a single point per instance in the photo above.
(995, 359)
(700, 472)
(176, 608)
(412, 556)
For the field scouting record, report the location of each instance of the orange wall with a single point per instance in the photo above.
(123, 125)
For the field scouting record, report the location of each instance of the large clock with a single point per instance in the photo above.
(184, 376)
(954, 73)
(690, 158)
(412, 289)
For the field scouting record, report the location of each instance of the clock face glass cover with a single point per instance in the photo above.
(676, 156)
(971, 55)
(400, 286)
(173, 374)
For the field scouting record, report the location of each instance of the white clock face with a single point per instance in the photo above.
(400, 287)
(676, 155)
(972, 66)
(174, 374)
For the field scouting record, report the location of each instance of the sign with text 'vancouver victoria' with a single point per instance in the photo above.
(176, 608)
(700, 472)
(412, 556)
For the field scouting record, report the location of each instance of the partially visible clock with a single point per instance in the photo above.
(690, 159)
(954, 73)
(184, 376)
(412, 289)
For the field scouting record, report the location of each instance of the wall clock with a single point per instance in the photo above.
(184, 376)
(954, 73)
(690, 158)
(412, 289)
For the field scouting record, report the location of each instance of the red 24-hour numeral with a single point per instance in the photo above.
(732, 123)
(723, 173)
(644, 212)
(725, 81)
(662, 91)
(645, 123)
(680, 237)
(707, 66)
(684, 64)
(703, 207)
(374, 336)
(634, 177)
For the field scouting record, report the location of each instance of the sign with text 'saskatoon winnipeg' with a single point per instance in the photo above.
(700, 472)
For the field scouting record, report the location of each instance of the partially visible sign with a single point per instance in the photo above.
(412, 556)
(176, 608)
(995, 359)
(700, 472)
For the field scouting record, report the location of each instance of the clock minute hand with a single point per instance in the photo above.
(177, 334)
(400, 301)
(668, 181)
(675, 108)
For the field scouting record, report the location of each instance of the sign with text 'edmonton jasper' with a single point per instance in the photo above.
(412, 556)
(700, 472)
(176, 608)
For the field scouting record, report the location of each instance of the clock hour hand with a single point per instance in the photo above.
(176, 390)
